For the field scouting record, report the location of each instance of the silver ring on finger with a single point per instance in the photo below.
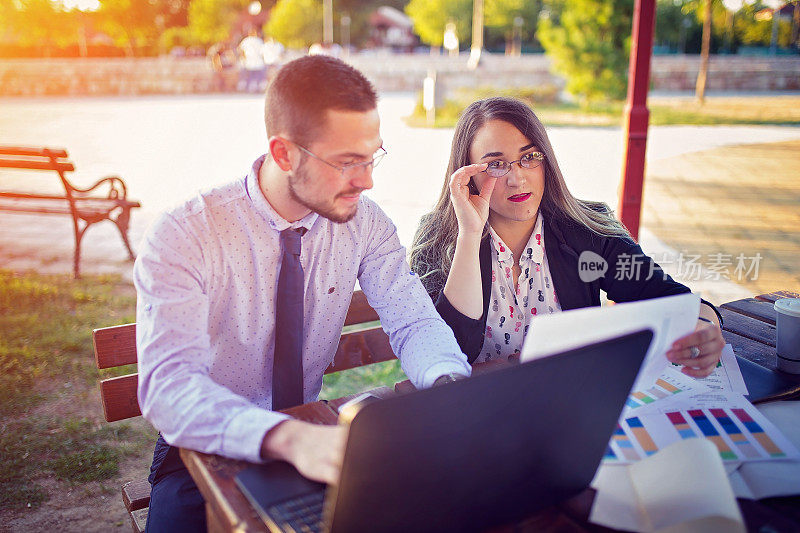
(694, 352)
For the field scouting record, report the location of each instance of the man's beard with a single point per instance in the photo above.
(327, 210)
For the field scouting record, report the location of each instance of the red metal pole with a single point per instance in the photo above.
(636, 115)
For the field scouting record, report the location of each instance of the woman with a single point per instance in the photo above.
(503, 243)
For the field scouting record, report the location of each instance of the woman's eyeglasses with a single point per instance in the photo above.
(349, 171)
(499, 168)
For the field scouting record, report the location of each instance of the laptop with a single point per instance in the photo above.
(466, 456)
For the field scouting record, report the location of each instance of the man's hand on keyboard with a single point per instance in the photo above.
(315, 450)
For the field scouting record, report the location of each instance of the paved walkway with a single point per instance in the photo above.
(741, 200)
(709, 190)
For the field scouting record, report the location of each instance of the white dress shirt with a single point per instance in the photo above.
(206, 278)
(513, 308)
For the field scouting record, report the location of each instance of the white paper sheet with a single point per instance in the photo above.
(670, 318)
(724, 386)
(738, 430)
(779, 478)
(682, 488)
(671, 384)
(727, 376)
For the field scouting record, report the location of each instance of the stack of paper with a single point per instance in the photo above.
(638, 488)
(683, 488)
(677, 407)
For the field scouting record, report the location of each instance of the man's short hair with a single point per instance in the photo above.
(304, 89)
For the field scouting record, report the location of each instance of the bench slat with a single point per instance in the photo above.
(359, 310)
(361, 348)
(136, 495)
(119, 397)
(772, 297)
(115, 346)
(752, 308)
(30, 164)
(139, 520)
(42, 203)
(50, 210)
(24, 150)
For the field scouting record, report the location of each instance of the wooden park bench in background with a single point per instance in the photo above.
(363, 342)
(107, 199)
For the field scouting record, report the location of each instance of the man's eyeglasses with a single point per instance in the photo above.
(499, 168)
(349, 171)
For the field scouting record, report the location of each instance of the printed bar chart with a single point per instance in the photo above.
(642, 397)
(624, 444)
(669, 387)
(735, 434)
(641, 435)
(609, 455)
(666, 386)
(755, 429)
(712, 434)
(680, 423)
(739, 434)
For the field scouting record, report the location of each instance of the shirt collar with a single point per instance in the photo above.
(262, 206)
(534, 250)
(503, 252)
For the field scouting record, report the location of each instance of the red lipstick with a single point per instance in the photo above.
(520, 197)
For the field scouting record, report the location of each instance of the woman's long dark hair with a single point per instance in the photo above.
(435, 242)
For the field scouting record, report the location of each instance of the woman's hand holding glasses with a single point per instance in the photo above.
(472, 210)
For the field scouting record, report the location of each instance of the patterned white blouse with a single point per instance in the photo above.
(512, 309)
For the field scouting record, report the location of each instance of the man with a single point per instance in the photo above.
(223, 61)
(215, 279)
(273, 55)
(254, 69)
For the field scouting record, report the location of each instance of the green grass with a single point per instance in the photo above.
(745, 110)
(45, 331)
(49, 419)
(360, 379)
(74, 450)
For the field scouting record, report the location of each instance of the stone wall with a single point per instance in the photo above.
(727, 73)
(96, 77)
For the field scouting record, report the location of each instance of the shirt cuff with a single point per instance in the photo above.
(442, 368)
(245, 432)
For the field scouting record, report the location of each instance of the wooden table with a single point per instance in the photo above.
(749, 326)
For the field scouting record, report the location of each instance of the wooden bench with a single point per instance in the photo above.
(362, 343)
(107, 199)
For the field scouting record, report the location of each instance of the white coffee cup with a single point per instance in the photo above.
(787, 323)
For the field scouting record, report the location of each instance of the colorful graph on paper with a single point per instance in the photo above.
(739, 434)
(670, 383)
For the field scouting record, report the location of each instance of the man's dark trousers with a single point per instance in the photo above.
(176, 504)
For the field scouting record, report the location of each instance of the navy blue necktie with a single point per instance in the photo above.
(287, 366)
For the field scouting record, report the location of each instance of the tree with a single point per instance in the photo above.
(673, 25)
(296, 23)
(211, 21)
(40, 23)
(132, 24)
(588, 41)
(757, 30)
(750, 27)
(431, 16)
(359, 12)
(500, 15)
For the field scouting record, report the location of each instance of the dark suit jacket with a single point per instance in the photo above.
(564, 241)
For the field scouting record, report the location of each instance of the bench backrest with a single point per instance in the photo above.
(116, 346)
(54, 159)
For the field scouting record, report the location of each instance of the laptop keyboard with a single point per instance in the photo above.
(303, 514)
